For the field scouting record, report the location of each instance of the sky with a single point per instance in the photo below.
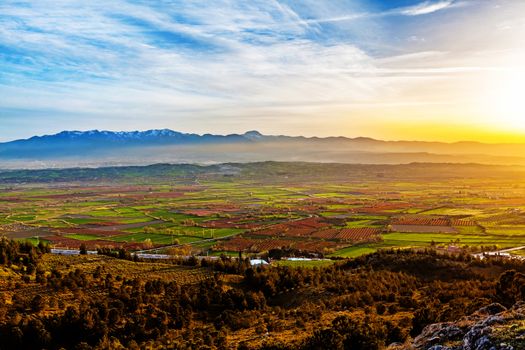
(444, 70)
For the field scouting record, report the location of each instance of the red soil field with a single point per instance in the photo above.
(235, 244)
(201, 212)
(330, 233)
(424, 229)
(309, 222)
(300, 228)
(267, 244)
(88, 231)
(259, 245)
(316, 246)
(64, 242)
(365, 234)
(300, 232)
(67, 195)
(98, 224)
(463, 222)
(14, 199)
(276, 230)
(421, 221)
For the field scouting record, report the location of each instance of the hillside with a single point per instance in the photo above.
(116, 302)
(262, 171)
(96, 148)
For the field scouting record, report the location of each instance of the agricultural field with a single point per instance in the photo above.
(151, 271)
(331, 210)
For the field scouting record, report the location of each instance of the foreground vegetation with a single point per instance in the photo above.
(103, 302)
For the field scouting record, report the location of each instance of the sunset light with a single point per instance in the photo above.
(262, 174)
(330, 68)
(508, 101)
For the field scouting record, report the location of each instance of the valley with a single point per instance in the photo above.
(313, 210)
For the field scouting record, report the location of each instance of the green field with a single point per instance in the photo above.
(355, 251)
(155, 238)
(453, 211)
(85, 237)
(424, 239)
(150, 206)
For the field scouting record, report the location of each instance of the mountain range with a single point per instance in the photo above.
(97, 148)
(67, 143)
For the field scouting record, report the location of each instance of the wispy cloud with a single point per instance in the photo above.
(197, 66)
(423, 8)
(427, 7)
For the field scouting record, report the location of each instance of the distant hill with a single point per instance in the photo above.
(77, 143)
(96, 148)
(287, 172)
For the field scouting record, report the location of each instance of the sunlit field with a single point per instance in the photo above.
(354, 211)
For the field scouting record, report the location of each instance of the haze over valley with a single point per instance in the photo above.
(105, 148)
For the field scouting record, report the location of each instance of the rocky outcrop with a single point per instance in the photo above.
(491, 328)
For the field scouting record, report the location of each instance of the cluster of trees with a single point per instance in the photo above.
(383, 298)
(23, 255)
(510, 288)
(129, 311)
(120, 253)
(368, 332)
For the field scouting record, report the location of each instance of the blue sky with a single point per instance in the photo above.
(307, 67)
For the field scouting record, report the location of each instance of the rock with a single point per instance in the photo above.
(483, 343)
(475, 332)
(492, 309)
(437, 333)
(472, 339)
(492, 320)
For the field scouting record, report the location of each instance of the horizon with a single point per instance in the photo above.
(425, 70)
(264, 134)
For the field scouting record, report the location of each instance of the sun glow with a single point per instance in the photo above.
(505, 101)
